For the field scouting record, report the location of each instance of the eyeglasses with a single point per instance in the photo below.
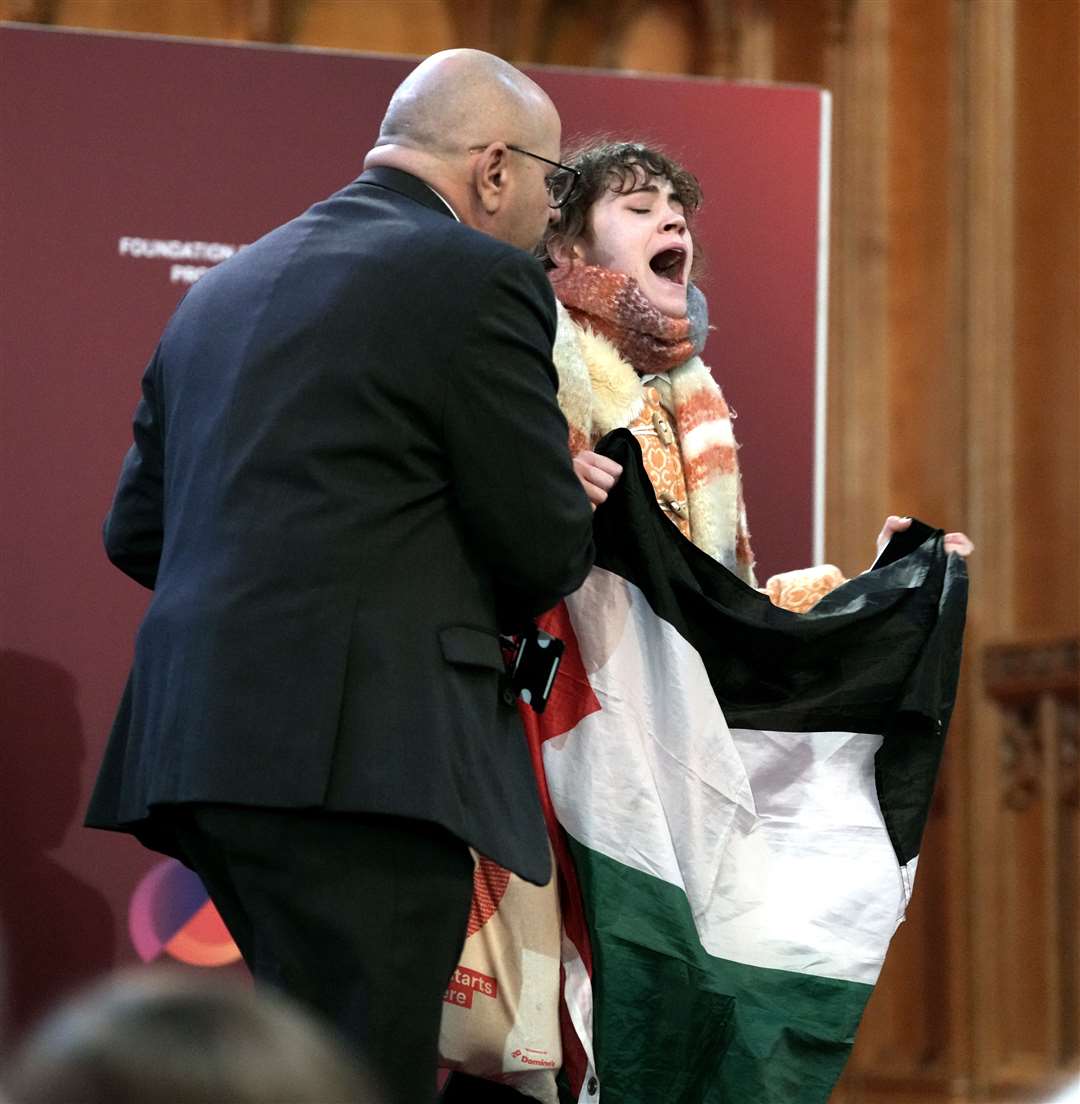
(561, 184)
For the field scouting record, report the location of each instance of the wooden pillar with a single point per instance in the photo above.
(857, 71)
(986, 122)
(1047, 324)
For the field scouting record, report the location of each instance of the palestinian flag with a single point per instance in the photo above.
(737, 795)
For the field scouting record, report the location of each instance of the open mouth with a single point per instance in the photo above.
(669, 264)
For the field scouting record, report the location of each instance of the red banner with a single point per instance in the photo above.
(132, 164)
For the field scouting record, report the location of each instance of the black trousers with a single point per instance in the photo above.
(361, 918)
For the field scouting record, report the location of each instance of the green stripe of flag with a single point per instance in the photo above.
(675, 1024)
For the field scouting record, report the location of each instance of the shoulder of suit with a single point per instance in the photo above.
(448, 243)
(499, 273)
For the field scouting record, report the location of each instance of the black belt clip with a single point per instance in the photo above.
(533, 659)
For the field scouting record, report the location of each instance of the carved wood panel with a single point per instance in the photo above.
(1037, 690)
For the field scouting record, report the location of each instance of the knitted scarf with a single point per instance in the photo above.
(600, 389)
(612, 305)
(608, 336)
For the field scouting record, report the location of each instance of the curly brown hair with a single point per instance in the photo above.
(606, 165)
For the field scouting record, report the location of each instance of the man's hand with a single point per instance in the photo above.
(597, 474)
(959, 543)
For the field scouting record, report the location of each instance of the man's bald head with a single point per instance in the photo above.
(458, 99)
(460, 121)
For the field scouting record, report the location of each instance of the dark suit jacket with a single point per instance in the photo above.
(349, 471)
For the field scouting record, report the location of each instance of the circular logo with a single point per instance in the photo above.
(171, 914)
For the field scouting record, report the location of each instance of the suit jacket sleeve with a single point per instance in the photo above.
(507, 442)
(133, 527)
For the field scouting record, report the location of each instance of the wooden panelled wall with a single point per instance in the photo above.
(953, 395)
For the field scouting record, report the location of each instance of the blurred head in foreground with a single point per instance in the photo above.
(158, 1037)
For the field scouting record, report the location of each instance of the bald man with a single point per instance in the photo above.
(349, 475)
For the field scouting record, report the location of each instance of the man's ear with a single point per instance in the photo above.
(489, 176)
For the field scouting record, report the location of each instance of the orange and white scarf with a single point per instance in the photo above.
(604, 320)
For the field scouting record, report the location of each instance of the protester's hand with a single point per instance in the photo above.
(597, 474)
(960, 543)
(893, 524)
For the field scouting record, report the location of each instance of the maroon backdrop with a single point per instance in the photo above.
(110, 137)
